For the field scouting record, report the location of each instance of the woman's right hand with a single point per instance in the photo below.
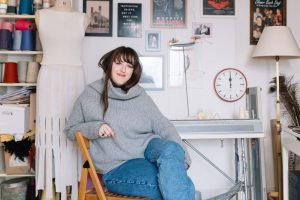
(106, 131)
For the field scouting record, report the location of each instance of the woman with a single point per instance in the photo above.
(132, 144)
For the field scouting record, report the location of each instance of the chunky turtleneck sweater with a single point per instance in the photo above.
(132, 115)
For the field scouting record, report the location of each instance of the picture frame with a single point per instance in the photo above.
(153, 72)
(265, 13)
(152, 40)
(101, 17)
(219, 7)
(204, 30)
(168, 14)
(130, 20)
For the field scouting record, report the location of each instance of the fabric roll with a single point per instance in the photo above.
(22, 24)
(12, 2)
(26, 41)
(3, 5)
(10, 73)
(17, 40)
(32, 72)
(37, 7)
(7, 25)
(3, 1)
(38, 44)
(11, 10)
(40, 2)
(5, 39)
(25, 7)
(3, 11)
(46, 5)
(22, 71)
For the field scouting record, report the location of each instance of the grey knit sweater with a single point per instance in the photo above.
(133, 116)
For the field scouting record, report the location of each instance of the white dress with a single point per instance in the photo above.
(60, 82)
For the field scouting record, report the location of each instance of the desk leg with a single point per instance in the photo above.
(285, 173)
(245, 171)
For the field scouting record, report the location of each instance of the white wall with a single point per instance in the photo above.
(228, 47)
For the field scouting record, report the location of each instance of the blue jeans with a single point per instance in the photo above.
(161, 175)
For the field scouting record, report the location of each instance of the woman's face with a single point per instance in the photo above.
(121, 72)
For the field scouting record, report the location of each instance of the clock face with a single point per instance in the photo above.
(230, 84)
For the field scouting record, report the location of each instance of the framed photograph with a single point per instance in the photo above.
(153, 72)
(170, 13)
(219, 7)
(129, 20)
(152, 40)
(204, 30)
(100, 14)
(265, 13)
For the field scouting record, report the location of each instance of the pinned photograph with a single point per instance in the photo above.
(152, 41)
(202, 29)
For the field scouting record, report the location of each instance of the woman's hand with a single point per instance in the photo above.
(106, 131)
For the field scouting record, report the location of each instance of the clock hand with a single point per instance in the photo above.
(230, 79)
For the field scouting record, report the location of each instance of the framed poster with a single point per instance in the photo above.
(219, 7)
(265, 13)
(168, 13)
(129, 20)
(203, 30)
(152, 41)
(152, 75)
(100, 14)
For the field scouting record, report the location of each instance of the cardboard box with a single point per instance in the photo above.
(14, 119)
(13, 165)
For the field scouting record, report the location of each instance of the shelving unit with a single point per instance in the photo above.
(15, 56)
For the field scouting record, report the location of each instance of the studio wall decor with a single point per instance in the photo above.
(265, 13)
(100, 14)
(219, 7)
(129, 20)
(171, 13)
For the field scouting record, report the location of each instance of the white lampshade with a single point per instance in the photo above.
(277, 41)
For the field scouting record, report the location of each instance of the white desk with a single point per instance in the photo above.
(289, 142)
(223, 129)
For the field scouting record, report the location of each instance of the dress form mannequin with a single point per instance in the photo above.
(60, 82)
(63, 6)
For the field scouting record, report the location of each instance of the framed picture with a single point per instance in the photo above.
(204, 30)
(219, 7)
(100, 14)
(152, 41)
(265, 13)
(170, 13)
(129, 20)
(152, 76)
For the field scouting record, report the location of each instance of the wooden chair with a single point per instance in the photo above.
(89, 169)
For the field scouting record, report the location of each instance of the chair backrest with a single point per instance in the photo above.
(88, 168)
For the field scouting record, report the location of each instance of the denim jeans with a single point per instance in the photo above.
(160, 175)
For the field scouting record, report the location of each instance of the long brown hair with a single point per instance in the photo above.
(120, 54)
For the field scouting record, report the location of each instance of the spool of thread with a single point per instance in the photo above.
(46, 5)
(38, 44)
(12, 2)
(10, 73)
(11, 10)
(22, 24)
(22, 71)
(5, 39)
(1, 72)
(17, 40)
(7, 25)
(25, 7)
(32, 72)
(26, 41)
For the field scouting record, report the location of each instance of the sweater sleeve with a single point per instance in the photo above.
(77, 122)
(163, 127)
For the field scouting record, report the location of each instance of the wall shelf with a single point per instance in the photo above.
(21, 52)
(17, 16)
(16, 175)
(17, 84)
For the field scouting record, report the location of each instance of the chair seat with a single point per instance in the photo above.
(111, 196)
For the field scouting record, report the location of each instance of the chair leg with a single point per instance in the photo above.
(83, 183)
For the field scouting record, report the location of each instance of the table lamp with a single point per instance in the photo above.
(277, 42)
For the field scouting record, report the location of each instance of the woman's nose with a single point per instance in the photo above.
(123, 68)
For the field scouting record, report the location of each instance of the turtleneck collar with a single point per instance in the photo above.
(116, 92)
